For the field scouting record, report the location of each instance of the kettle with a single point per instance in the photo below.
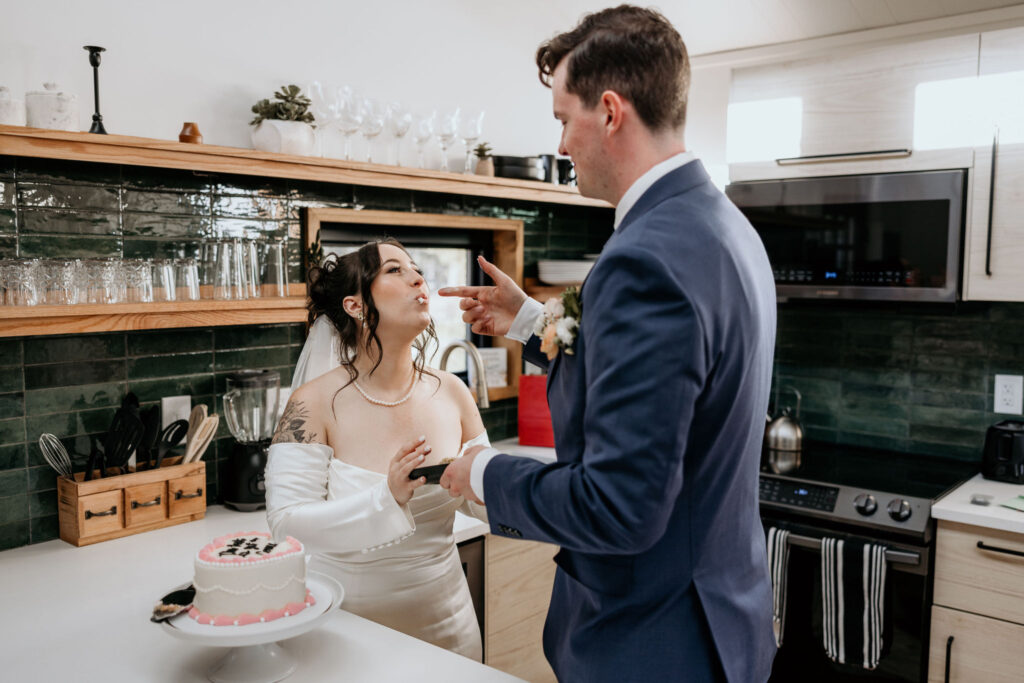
(783, 436)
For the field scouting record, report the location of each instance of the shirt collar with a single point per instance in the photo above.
(644, 182)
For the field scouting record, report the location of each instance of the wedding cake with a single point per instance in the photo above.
(244, 578)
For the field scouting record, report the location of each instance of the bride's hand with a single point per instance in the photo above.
(408, 457)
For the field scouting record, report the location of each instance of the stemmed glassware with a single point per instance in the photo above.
(422, 133)
(399, 121)
(350, 117)
(447, 131)
(322, 108)
(373, 115)
(470, 128)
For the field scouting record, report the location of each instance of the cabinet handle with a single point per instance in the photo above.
(949, 652)
(178, 495)
(997, 549)
(89, 514)
(137, 504)
(991, 202)
(845, 156)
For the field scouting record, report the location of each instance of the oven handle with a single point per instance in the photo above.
(894, 556)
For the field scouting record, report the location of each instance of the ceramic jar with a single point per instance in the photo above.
(51, 108)
(284, 137)
(12, 111)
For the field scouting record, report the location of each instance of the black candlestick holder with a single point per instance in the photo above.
(94, 59)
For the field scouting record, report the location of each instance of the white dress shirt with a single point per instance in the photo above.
(529, 313)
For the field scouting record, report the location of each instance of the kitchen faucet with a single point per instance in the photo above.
(473, 355)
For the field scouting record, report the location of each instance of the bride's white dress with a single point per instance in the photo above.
(398, 564)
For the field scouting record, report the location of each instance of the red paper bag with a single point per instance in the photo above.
(534, 415)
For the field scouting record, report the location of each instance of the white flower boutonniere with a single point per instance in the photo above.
(558, 326)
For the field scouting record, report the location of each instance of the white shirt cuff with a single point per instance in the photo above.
(476, 472)
(526, 319)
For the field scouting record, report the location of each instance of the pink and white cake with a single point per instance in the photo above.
(245, 578)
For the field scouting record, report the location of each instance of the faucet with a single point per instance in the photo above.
(473, 355)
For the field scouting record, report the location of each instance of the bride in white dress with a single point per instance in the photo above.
(337, 473)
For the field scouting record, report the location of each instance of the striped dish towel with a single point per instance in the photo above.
(778, 565)
(856, 628)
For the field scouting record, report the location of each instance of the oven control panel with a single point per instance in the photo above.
(800, 494)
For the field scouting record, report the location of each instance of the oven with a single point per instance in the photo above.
(826, 495)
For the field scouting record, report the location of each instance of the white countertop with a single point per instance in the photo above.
(956, 505)
(83, 614)
(512, 447)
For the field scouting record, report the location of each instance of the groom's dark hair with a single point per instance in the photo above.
(633, 51)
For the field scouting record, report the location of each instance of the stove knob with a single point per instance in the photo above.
(899, 509)
(865, 504)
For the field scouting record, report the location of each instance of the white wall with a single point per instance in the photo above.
(210, 61)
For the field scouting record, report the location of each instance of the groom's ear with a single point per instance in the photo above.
(352, 305)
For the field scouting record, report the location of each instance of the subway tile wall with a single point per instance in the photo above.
(71, 385)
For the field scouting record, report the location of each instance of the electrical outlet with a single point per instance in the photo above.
(1009, 394)
(174, 408)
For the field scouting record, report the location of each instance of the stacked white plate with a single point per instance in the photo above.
(563, 273)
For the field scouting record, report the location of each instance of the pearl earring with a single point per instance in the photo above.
(361, 317)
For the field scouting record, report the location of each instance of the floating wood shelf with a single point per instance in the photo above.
(134, 151)
(27, 321)
(540, 291)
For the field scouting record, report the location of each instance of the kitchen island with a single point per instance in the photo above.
(83, 614)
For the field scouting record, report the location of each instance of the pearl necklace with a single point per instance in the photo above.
(386, 404)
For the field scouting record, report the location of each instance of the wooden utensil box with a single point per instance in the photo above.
(125, 504)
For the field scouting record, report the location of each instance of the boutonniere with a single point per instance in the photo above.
(560, 322)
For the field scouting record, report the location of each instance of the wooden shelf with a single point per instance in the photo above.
(27, 321)
(134, 151)
(541, 292)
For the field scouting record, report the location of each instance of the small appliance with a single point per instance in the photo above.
(251, 409)
(1003, 459)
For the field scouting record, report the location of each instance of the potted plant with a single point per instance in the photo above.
(283, 124)
(484, 162)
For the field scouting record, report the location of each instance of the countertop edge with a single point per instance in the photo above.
(956, 505)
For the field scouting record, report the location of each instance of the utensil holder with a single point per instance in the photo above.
(125, 504)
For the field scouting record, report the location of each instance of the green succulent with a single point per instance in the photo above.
(482, 151)
(289, 105)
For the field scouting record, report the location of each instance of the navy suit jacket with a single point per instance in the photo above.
(658, 418)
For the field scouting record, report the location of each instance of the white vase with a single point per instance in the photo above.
(51, 108)
(12, 111)
(284, 137)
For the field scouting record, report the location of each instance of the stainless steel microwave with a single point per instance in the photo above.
(885, 236)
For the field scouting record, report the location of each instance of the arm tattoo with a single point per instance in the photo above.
(292, 428)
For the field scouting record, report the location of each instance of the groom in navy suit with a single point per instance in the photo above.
(658, 410)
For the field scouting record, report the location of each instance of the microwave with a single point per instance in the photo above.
(882, 236)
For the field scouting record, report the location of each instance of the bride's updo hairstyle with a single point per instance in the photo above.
(352, 275)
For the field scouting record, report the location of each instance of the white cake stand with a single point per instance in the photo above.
(255, 656)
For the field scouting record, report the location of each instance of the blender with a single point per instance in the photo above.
(250, 409)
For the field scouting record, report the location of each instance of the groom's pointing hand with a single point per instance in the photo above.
(489, 310)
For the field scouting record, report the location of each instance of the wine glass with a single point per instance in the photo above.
(350, 117)
(447, 131)
(470, 128)
(373, 115)
(321, 107)
(399, 121)
(422, 133)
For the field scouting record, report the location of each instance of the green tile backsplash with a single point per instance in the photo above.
(71, 385)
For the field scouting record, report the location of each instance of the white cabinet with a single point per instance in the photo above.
(994, 244)
(859, 99)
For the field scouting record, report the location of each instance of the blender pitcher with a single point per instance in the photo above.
(250, 410)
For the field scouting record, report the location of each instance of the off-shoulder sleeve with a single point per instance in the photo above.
(297, 505)
(468, 507)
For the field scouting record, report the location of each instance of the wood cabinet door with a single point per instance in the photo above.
(982, 649)
(858, 99)
(518, 576)
(986, 579)
(1002, 247)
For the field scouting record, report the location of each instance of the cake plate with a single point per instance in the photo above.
(255, 656)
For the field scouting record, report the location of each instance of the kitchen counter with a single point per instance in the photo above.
(956, 505)
(512, 447)
(83, 613)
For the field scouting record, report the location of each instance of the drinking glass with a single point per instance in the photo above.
(470, 128)
(56, 282)
(320, 106)
(108, 281)
(349, 117)
(164, 288)
(207, 267)
(186, 279)
(251, 258)
(447, 131)
(399, 121)
(19, 282)
(239, 281)
(139, 280)
(422, 133)
(373, 115)
(275, 274)
(222, 273)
